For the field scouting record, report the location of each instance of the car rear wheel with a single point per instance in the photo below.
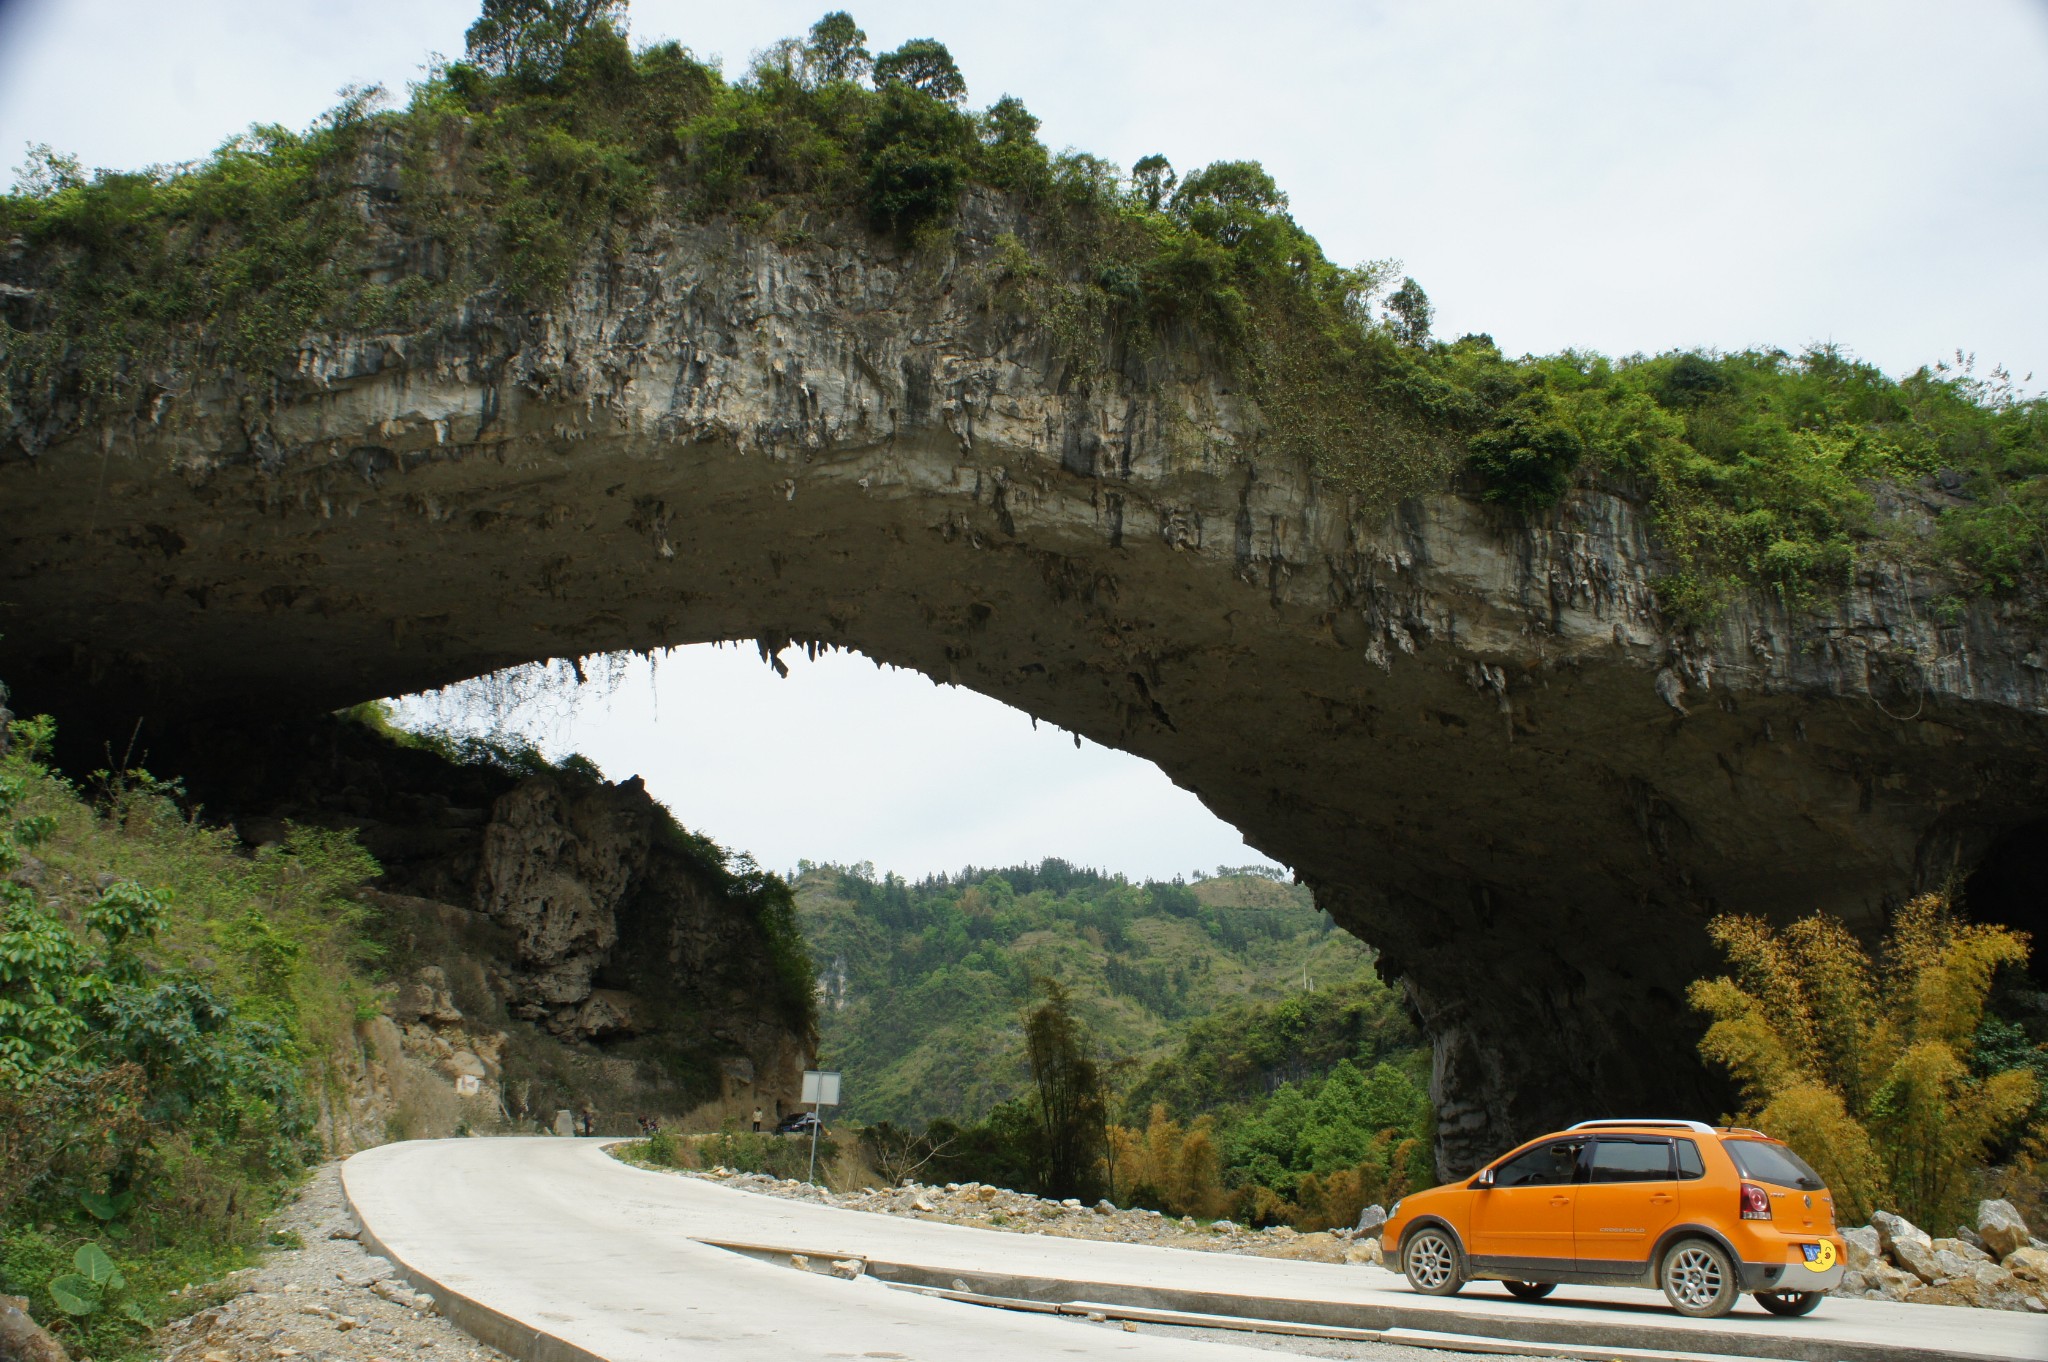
(1433, 1262)
(1788, 1302)
(1529, 1291)
(1699, 1279)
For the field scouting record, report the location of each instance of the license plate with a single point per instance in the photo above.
(1812, 1252)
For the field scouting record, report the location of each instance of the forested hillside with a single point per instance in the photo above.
(924, 985)
(1229, 1050)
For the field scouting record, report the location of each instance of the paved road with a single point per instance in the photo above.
(570, 1256)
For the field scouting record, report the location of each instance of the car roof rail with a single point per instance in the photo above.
(1697, 1127)
(1747, 1130)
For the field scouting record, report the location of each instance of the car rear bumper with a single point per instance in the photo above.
(1790, 1277)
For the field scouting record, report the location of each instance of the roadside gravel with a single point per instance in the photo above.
(329, 1300)
(997, 1208)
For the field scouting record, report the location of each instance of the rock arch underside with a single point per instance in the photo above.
(1472, 734)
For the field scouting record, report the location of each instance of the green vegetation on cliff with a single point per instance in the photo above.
(171, 1015)
(556, 139)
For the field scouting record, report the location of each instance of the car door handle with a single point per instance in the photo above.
(1662, 1199)
(1560, 1201)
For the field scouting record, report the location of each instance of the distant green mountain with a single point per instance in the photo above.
(923, 986)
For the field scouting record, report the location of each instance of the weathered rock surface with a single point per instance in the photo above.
(1893, 1230)
(1474, 735)
(2000, 1229)
(2029, 1264)
(1864, 1247)
(22, 1339)
(1893, 1259)
(556, 941)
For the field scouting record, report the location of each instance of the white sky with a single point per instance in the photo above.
(846, 761)
(1621, 177)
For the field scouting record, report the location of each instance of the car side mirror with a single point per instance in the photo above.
(1485, 1178)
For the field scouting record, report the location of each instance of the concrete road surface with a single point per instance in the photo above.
(555, 1252)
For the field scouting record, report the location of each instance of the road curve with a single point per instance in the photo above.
(556, 1252)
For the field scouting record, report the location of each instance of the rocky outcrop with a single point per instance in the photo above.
(555, 941)
(1893, 1259)
(2000, 1231)
(1473, 734)
(22, 1339)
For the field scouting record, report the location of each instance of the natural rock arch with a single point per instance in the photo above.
(1473, 735)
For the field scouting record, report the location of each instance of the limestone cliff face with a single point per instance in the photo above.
(555, 865)
(1472, 733)
(553, 938)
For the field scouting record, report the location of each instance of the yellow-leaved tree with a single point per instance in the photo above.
(1863, 1065)
(1174, 1168)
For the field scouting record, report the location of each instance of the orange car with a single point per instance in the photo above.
(1705, 1213)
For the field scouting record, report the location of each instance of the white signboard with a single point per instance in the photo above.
(821, 1087)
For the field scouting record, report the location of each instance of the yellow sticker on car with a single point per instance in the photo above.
(1819, 1257)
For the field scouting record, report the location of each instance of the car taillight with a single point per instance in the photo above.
(1755, 1204)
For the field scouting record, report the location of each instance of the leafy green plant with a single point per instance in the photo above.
(662, 1150)
(746, 1151)
(105, 1208)
(90, 1285)
(159, 1036)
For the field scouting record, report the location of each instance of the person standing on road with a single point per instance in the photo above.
(757, 1120)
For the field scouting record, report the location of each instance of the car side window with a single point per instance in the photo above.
(1550, 1164)
(1689, 1165)
(1635, 1160)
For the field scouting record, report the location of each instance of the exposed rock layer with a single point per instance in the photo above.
(1473, 735)
(552, 936)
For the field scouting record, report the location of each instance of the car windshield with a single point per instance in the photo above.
(1773, 1163)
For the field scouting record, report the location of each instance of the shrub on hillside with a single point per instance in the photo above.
(168, 1009)
(1169, 1167)
(1864, 1065)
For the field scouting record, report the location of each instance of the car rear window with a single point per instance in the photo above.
(1772, 1163)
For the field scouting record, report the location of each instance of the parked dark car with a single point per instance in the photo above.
(799, 1123)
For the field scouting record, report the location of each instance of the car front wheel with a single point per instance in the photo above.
(1433, 1262)
(1529, 1291)
(1699, 1279)
(1788, 1302)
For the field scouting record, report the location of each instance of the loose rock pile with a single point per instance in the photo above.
(322, 1298)
(1998, 1265)
(997, 1208)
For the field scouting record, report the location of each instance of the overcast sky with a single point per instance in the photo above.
(1619, 177)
